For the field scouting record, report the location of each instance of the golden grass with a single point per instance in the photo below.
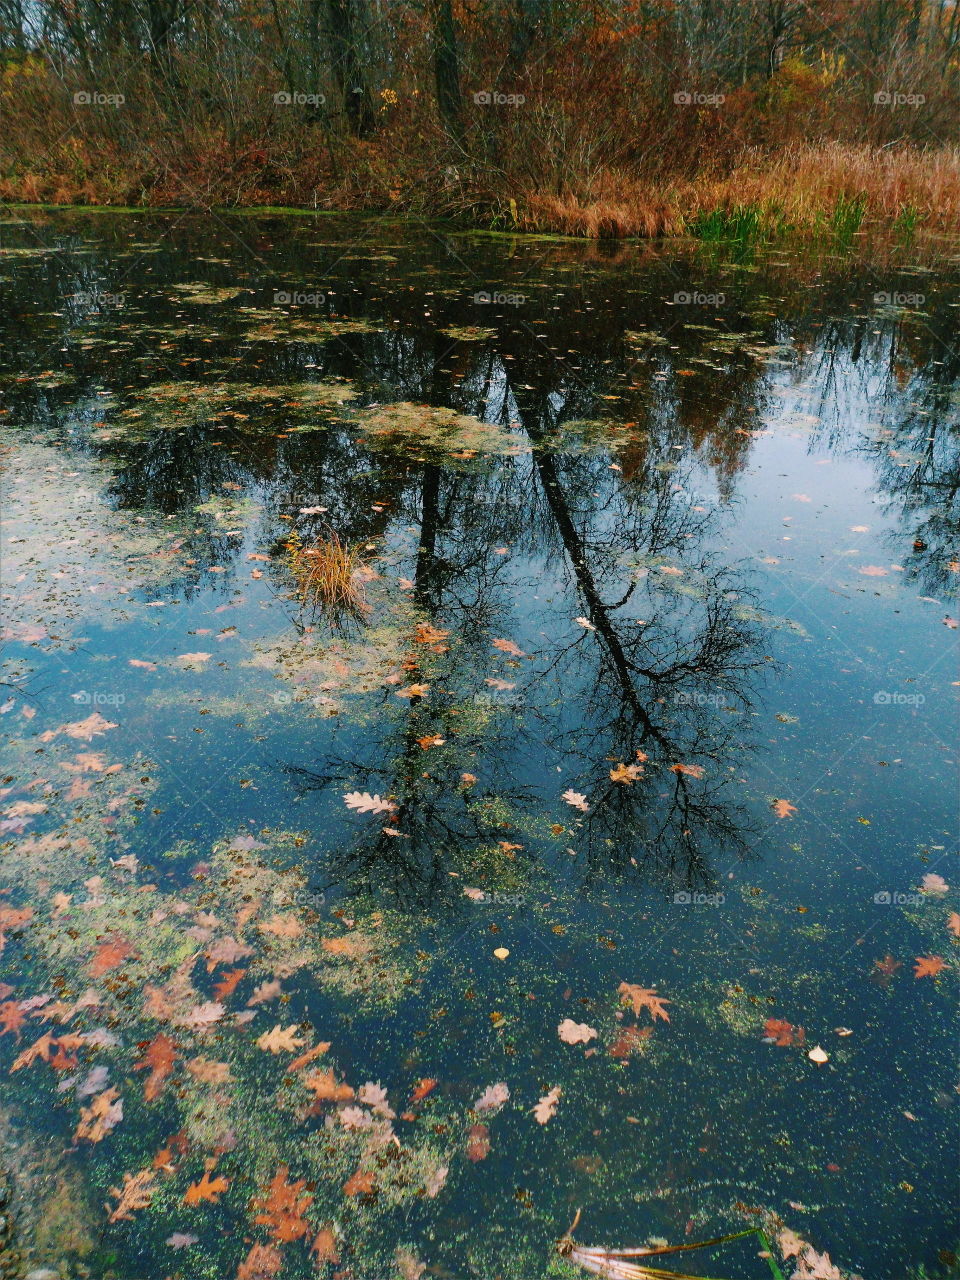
(328, 574)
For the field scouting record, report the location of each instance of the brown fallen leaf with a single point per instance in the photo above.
(207, 1189)
(571, 1032)
(953, 923)
(928, 966)
(158, 1059)
(478, 1143)
(358, 1184)
(643, 998)
(261, 1263)
(782, 808)
(324, 1087)
(109, 955)
(136, 1193)
(629, 1040)
(547, 1106)
(309, 1056)
(280, 1040)
(693, 770)
(283, 1206)
(508, 646)
(103, 1114)
(422, 1088)
(324, 1247)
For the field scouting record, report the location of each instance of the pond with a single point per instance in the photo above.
(479, 744)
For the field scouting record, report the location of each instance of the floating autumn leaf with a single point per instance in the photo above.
(280, 1040)
(193, 659)
(146, 666)
(226, 951)
(282, 926)
(13, 918)
(777, 1031)
(547, 1106)
(261, 1263)
(181, 1240)
(375, 1097)
(208, 1072)
(585, 623)
(507, 646)
(887, 967)
(928, 966)
(103, 1114)
(932, 883)
(626, 773)
(283, 1206)
(422, 1088)
(346, 945)
(358, 1184)
(643, 998)
(86, 730)
(496, 683)
(430, 740)
(12, 1017)
(265, 991)
(571, 1032)
(109, 955)
(426, 633)
(412, 691)
(493, 1098)
(324, 1247)
(207, 1189)
(364, 802)
(782, 808)
(136, 1193)
(324, 1087)
(228, 983)
(576, 799)
(158, 1060)
(310, 1056)
(478, 1143)
(691, 770)
(628, 1041)
(204, 1015)
(953, 923)
(818, 1055)
(41, 1049)
(872, 571)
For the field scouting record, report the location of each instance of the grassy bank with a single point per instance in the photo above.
(830, 187)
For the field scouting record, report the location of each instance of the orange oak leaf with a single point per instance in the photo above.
(783, 808)
(261, 1263)
(109, 955)
(643, 998)
(422, 1088)
(228, 983)
(158, 1059)
(953, 923)
(358, 1184)
(283, 1206)
(103, 1114)
(324, 1087)
(324, 1247)
(693, 770)
(928, 966)
(209, 1189)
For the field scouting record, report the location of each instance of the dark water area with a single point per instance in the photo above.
(479, 742)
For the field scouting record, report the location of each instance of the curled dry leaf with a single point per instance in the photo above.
(547, 1106)
(576, 799)
(571, 1032)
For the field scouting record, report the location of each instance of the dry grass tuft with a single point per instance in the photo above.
(329, 577)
